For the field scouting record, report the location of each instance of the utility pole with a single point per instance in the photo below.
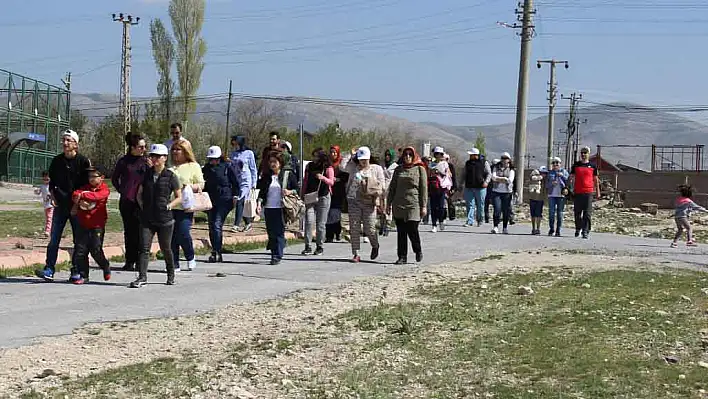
(228, 115)
(127, 22)
(571, 137)
(552, 91)
(527, 31)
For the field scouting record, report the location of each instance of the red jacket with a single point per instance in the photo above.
(95, 218)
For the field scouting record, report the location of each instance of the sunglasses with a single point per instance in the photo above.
(555, 163)
(155, 155)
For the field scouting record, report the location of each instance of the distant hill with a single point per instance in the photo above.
(606, 125)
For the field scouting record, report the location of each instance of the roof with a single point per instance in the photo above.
(628, 168)
(603, 165)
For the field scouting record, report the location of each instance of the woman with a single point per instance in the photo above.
(319, 179)
(126, 178)
(248, 174)
(189, 173)
(339, 192)
(273, 185)
(407, 199)
(439, 182)
(221, 184)
(157, 187)
(537, 195)
(364, 187)
(502, 186)
(557, 186)
(389, 168)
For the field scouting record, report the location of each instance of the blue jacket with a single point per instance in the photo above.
(220, 181)
(245, 155)
(560, 175)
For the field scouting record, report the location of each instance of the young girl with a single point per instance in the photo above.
(684, 206)
(46, 198)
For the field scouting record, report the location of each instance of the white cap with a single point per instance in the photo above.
(290, 146)
(473, 151)
(214, 152)
(70, 133)
(543, 169)
(159, 149)
(438, 150)
(496, 160)
(363, 153)
(556, 159)
(505, 155)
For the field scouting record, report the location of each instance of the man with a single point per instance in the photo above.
(67, 172)
(478, 173)
(490, 194)
(176, 135)
(294, 163)
(585, 180)
(273, 145)
(250, 177)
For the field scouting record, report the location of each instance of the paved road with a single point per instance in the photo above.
(30, 308)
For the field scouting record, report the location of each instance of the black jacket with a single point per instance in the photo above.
(477, 173)
(67, 175)
(220, 181)
(264, 183)
(156, 196)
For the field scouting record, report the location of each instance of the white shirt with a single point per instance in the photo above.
(169, 143)
(275, 194)
(45, 197)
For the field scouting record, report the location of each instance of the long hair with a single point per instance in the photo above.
(186, 150)
(132, 139)
(320, 159)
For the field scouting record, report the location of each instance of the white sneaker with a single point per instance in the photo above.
(434, 229)
(495, 230)
(366, 240)
(192, 264)
(505, 231)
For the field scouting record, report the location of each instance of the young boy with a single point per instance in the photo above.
(46, 198)
(90, 208)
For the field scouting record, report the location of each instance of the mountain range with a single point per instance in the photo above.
(604, 125)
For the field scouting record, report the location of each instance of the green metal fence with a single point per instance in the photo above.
(28, 105)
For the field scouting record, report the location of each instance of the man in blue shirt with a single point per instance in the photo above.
(249, 174)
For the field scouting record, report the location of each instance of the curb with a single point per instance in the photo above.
(38, 257)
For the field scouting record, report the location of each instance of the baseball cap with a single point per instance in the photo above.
(473, 151)
(214, 152)
(505, 155)
(438, 150)
(70, 133)
(543, 169)
(496, 160)
(287, 144)
(159, 149)
(556, 160)
(363, 153)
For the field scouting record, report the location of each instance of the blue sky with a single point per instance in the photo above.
(647, 51)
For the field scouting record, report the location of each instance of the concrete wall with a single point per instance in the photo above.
(658, 187)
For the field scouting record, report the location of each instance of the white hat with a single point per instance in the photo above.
(543, 169)
(473, 151)
(556, 159)
(505, 155)
(159, 149)
(363, 153)
(214, 152)
(70, 133)
(287, 144)
(438, 150)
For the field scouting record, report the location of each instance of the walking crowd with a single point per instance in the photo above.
(162, 187)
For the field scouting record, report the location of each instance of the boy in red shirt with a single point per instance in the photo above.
(90, 208)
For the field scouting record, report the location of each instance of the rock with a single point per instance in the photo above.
(685, 298)
(703, 364)
(682, 377)
(649, 208)
(671, 359)
(288, 384)
(662, 313)
(585, 285)
(46, 373)
(704, 291)
(634, 210)
(240, 393)
(525, 290)
(484, 286)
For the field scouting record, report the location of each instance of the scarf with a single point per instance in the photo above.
(338, 159)
(416, 159)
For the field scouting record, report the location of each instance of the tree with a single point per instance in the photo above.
(480, 143)
(163, 52)
(77, 121)
(187, 19)
(254, 119)
(109, 143)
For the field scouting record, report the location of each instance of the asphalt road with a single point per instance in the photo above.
(30, 308)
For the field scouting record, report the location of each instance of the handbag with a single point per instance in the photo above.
(293, 206)
(250, 205)
(371, 188)
(313, 197)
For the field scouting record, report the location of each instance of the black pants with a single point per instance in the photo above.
(89, 241)
(451, 211)
(488, 199)
(502, 209)
(164, 238)
(408, 230)
(582, 208)
(333, 230)
(129, 212)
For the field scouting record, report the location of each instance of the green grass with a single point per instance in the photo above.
(566, 341)
(29, 270)
(30, 223)
(161, 378)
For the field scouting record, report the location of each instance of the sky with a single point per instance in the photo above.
(444, 51)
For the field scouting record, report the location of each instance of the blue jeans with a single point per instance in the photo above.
(437, 206)
(502, 208)
(556, 205)
(217, 216)
(61, 216)
(239, 213)
(182, 235)
(474, 201)
(275, 226)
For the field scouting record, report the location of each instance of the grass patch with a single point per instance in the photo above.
(161, 378)
(599, 335)
(29, 270)
(491, 257)
(30, 223)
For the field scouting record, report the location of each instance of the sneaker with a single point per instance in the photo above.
(505, 231)
(79, 281)
(691, 244)
(212, 258)
(140, 282)
(307, 251)
(674, 245)
(235, 229)
(558, 233)
(467, 224)
(274, 262)
(479, 224)
(319, 251)
(45, 274)
(550, 232)
(366, 240)
(247, 228)
(577, 233)
(495, 230)
(191, 264)
(434, 229)
(586, 235)
(177, 268)
(170, 279)
(374, 253)
(419, 257)
(442, 226)
(219, 258)
(329, 240)
(356, 259)
(74, 278)
(107, 274)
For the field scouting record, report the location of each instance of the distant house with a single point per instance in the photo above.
(603, 165)
(627, 168)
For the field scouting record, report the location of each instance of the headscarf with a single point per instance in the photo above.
(392, 157)
(416, 159)
(338, 159)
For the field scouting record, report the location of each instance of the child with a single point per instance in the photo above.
(90, 208)
(684, 206)
(46, 198)
(537, 194)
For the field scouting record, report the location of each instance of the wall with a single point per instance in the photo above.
(657, 187)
